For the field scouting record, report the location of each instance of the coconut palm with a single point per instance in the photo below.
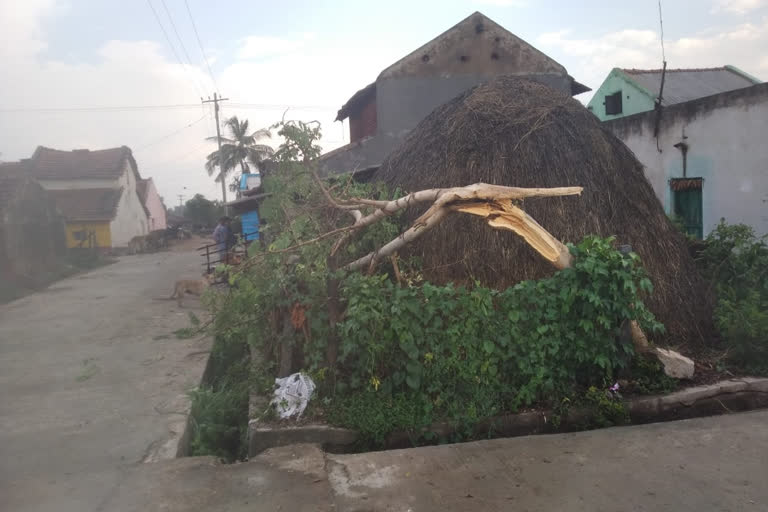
(241, 148)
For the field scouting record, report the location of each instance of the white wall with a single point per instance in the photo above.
(728, 148)
(130, 220)
(78, 184)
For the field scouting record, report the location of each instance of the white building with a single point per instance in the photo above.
(97, 188)
(709, 160)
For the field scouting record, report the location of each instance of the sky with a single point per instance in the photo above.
(104, 73)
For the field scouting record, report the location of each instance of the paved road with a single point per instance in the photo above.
(93, 382)
(715, 464)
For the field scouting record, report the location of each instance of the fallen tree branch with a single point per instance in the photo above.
(493, 202)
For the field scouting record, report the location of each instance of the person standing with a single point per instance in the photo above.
(221, 236)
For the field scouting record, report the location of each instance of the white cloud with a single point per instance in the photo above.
(738, 6)
(257, 47)
(590, 60)
(141, 73)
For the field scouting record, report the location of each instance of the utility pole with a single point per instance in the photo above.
(181, 198)
(215, 102)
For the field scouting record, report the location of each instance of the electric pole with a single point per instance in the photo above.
(215, 102)
(181, 198)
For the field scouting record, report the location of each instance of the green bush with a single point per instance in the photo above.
(736, 263)
(464, 355)
(220, 406)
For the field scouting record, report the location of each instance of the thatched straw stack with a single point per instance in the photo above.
(516, 132)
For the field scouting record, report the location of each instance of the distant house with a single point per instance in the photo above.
(97, 191)
(32, 243)
(153, 203)
(630, 91)
(709, 159)
(471, 52)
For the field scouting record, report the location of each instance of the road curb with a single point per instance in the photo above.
(733, 395)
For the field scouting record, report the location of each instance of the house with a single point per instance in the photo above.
(709, 159)
(153, 203)
(97, 191)
(631, 91)
(473, 51)
(249, 195)
(32, 243)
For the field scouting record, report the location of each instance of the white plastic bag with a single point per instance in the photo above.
(292, 395)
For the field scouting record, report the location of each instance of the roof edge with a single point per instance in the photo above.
(734, 69)
(631, 81)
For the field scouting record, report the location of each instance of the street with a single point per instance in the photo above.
(93, 381)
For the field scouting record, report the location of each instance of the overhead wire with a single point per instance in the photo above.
(130, 108)
(168, 136)
(178, 36)
(173, 49)
(200, 45)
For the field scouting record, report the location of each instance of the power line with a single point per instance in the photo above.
(173, 48)
(131, 108)
(121, 108)
(165, 137)
(175, 31)
(200, 44)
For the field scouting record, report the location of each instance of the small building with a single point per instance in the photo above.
(246, 205)
(709, 158)
(91, 216)
(105, 181)
(625, 92)
(473, 51)
(153, 203)
(32, 244)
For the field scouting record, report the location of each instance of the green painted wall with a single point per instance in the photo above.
(634, 99)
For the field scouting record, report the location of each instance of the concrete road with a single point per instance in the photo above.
(93, 382)
(715, 464)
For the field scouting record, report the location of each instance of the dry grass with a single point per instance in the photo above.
(520, 133)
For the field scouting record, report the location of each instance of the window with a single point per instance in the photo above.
(687, 204)
(613, 104)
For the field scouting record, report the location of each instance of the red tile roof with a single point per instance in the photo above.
(92, 204)
(54, 164)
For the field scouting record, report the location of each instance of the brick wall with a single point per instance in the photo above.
(363, 122)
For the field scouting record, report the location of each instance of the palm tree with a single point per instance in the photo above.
(241, 148)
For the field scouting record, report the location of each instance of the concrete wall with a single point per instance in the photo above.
(401, 103)
(634, 100)
(157, 215)
(726, 135)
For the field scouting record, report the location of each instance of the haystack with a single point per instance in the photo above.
(520, 133)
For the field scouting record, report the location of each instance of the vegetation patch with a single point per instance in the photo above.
(735, 261)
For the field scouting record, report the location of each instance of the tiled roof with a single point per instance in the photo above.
(689, 84)
(11, 179)
(54, 164)
(91, 204)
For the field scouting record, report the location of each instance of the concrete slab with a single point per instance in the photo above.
(288, 480)
(699, 465)
(93, 381)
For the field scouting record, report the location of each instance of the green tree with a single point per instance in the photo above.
(203, 211)
(241, 148)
